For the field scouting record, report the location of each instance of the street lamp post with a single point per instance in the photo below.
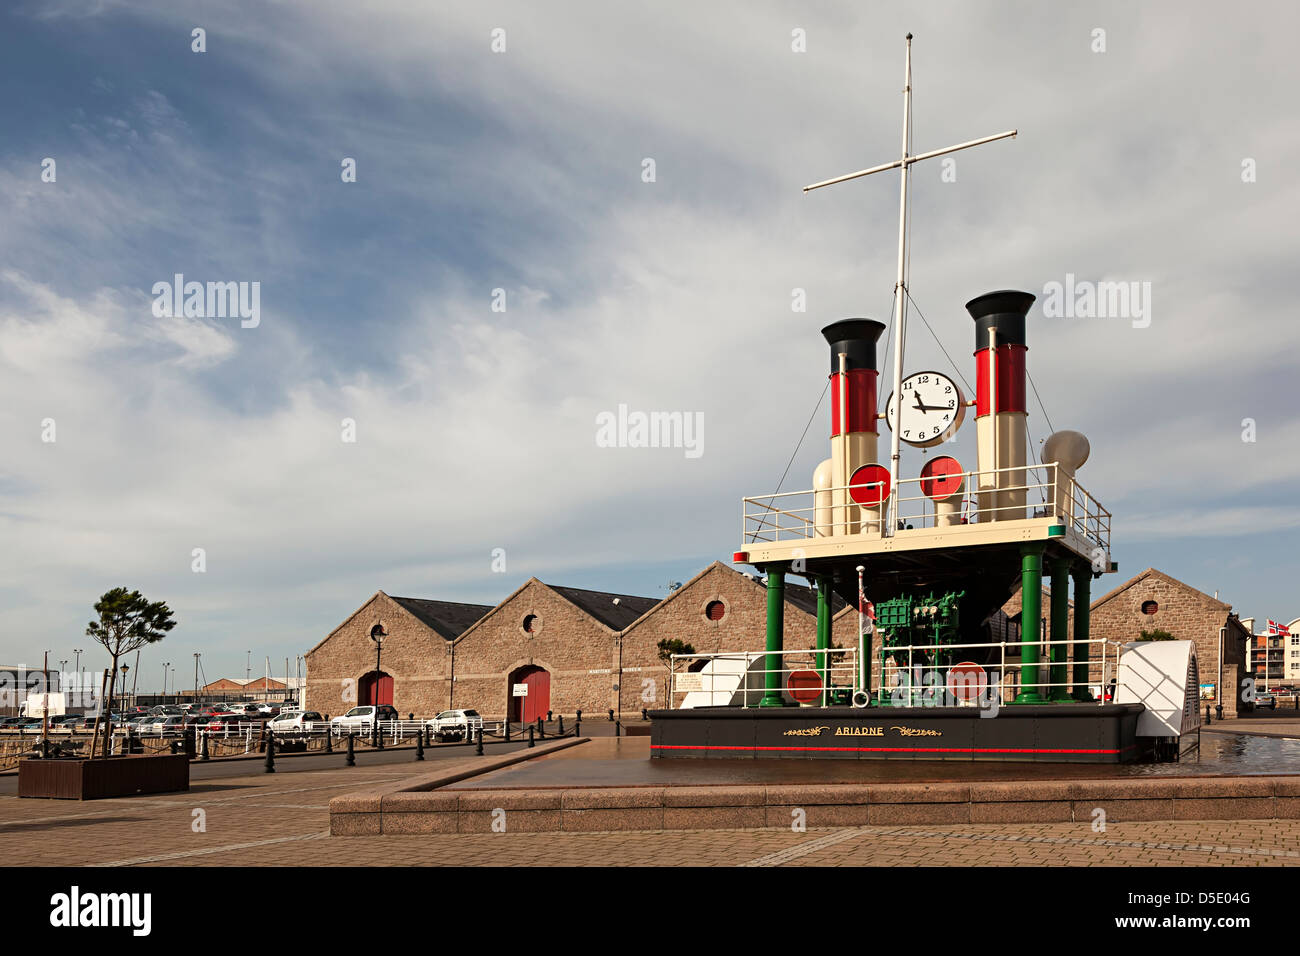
(125, 668)
(377, 634)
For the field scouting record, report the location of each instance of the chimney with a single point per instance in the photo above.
(853, 426)
(1000, 409)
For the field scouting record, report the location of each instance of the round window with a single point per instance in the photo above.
(1150, 607)
(531, 624)
(715, 610)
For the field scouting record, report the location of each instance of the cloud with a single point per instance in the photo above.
(522, 171)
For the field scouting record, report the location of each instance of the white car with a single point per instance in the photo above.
(455, 725)
(295, 721)
(361, 720)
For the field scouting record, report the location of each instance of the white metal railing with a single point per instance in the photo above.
(994, 495)
(733, 673)
(918, 682)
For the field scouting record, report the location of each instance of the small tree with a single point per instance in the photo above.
(667, 648)
(1155, 635)
(127, 622)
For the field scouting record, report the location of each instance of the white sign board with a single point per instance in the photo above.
(520, 690)
(36, 704)
(688, 682)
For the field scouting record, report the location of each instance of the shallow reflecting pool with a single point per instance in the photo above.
(625, 762)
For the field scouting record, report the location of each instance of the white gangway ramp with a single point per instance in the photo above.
(727, 681)
(1162, 677)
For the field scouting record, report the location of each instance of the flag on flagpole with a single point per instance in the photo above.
(1279, 629)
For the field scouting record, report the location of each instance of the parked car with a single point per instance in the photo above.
(7, 723)
(455, 724)
(361, 720)
(268, 710)
(164, 710)
(172, 726)
(1265, 699)
(224, 722)
(295, 721)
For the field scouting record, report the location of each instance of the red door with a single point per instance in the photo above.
(376, 691)
(538, 701)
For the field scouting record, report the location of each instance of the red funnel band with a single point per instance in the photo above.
(1009, 362)
(860, 401)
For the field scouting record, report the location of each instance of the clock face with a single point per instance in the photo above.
(933, 408)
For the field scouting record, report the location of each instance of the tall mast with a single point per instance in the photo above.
(904, 163)
(900, 296)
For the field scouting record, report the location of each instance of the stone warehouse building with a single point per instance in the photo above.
(595, 650)
(574, 648)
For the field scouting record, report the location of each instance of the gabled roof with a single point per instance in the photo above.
(805, 599)
(1152, 572)
(615, 611)
(448, 618)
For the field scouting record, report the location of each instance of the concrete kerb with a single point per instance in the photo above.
(361, 813)
(421, 808)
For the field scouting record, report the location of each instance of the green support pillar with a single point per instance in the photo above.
(1031, 622)
(1082, 656)
(775, 637)
(1060, 628)
(824, 632)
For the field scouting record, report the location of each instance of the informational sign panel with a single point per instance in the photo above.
(519, 690)
(689, 682)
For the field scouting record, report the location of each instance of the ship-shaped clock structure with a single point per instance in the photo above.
(929, 559)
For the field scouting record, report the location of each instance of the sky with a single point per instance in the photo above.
(501, 158)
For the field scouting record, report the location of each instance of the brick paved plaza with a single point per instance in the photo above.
(253, 818)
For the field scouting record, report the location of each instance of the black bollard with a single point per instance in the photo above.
(329, 740)
(530, 736)
(561, 725)
(189, 742)
(1218, 711)
(541, 728)
(352, 757)
(577, 725)
(1207, 713)
(548, 716)
(479, 749)
(618, 726)
(203, 748)
(270, 753)
(419, 745)
(578, 716)
(507, 731)
(645, 714)
(611, 715)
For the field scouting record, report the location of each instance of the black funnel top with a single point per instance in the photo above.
(1003, 311)
(858, 338)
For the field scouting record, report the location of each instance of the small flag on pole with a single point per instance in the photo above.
(1279, 629)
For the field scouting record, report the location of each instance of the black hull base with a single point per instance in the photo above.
(1058, 733)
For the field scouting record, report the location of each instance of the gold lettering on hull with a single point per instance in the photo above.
(900, 730)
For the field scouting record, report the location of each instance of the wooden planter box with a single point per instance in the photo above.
(81, 779)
